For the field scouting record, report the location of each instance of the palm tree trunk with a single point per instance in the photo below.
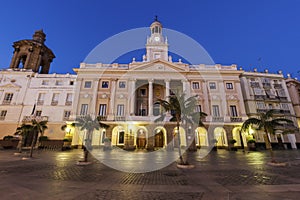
(87, 146)
(268, 145)
(179, 143)
(33, 142)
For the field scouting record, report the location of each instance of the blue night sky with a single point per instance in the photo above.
(232, 31)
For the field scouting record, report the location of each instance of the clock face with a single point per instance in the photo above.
(157, 39)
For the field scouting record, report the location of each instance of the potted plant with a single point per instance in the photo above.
(231, 145)
(251, 145)
(67, 143)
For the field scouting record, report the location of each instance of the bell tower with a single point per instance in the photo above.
(32, 54)
(157, 44)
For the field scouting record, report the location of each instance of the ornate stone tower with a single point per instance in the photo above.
(32, 54)
(157, 44)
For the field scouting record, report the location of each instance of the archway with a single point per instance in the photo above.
(160, 137)
(201, 138)
(118, 136)
(220, 136)
(141, 138)
(236, 135)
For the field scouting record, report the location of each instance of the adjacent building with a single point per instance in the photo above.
(263, 91)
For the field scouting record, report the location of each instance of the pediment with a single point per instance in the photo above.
(158, 65)
(10, 85)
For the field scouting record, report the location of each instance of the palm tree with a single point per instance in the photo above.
(23, 130)
(269, 124)
(182, 110)
(87, 123)
(37, 128)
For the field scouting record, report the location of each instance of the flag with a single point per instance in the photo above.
(33, 109)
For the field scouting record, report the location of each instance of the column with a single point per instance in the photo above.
(94, 98)
(186, 88)
(132, 97)
(112, 100)
(76, 97)
(167, 81)
(150, 98)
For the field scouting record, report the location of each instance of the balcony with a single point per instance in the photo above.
(40, 102)
(261, 110)
(2, 118)
(254, 84)
(277, 86)
(37, 118)
(68, 103)
(236, 119)
(6, 102)
(102, 118)
(218, 119)
(266, 85)
(259, 96)
(120, 118)
(281, 111)
(54, 103)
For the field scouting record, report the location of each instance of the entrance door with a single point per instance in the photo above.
(141, 139)
(159, 139)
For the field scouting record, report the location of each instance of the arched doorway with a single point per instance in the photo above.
(159, 138)
(237, 136)
(201, 138)
(118, 136)
(220, 136)
(141, 138)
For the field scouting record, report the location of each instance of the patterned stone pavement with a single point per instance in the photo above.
(219, 175)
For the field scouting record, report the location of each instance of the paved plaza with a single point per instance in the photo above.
(219, 175)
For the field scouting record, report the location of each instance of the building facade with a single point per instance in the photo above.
(262, 92)
(124, 96)
(293, 86)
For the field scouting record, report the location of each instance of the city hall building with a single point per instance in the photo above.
(124, 97)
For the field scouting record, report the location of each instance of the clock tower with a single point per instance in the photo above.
(157, 44)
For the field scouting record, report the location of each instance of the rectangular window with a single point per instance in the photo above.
(41, 99)
(59, 83)
(105, 84)
(229, 86)
(55, 97)
(285, 106)
(7, 98)
(198, 108)
(215, 111)
(233, 111)
(260, 105)
(3, 114)
(69, 99)
(67, 114)
(258, 91)
(84, 109)
(281, 93)
(196, 85)
(102, 110)
(122, 84)
(38, 113)
(120, 110)
(71, 83)
(87, 84)
(212, 85)
(45, 82)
